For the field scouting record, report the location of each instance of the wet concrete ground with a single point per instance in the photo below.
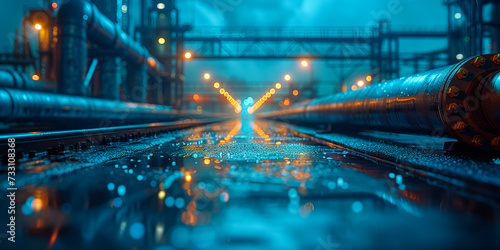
(244, 185)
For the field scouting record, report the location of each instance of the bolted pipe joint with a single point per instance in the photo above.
(461, 100)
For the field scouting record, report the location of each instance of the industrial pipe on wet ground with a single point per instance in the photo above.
(461, 100)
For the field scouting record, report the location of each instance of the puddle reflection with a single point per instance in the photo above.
(247, 184)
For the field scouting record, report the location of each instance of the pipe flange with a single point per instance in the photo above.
(461, 100)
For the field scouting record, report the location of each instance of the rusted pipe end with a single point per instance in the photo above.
(472, 100)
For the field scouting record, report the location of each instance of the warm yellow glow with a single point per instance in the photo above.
(272, 91)
(287, 77)
(35, 77)
(369, 78)
(295, 92)
(206, 161)
(278, 85)
(304, 63)
(187, 55)
(231, 133)
(37, 204)
(161, 40)
(161, 194)
(38, 26)
(160, 6)
(54, 6)
(361, 83)
(268, 95)
(229, 98)
(188, 177)
(196, 97)
(286, 102)
(354, 87)
(206, 76)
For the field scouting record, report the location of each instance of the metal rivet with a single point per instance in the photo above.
(496, 59)
(453, 91)
(454, 108)
(478, 140)
(478, 61)
(462, 73)
(460, 127)
(495, 142)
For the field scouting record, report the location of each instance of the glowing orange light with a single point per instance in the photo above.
(288, 77)
(199, 108)
(354, 87)
(206, 76)
(161, 40)
(35, 77)
(206, 161)
(278, 85)
(304, 63)
(151, 62)
(187, 55)
(272, 91)
(286, 102)
(216, 85)
(268, 95)
(37, 204)
(54, 6)
(369, 78)
(188, 177)
(38, 26)
(196, 97)
(222, 91)
(295, 92)
(361, 83)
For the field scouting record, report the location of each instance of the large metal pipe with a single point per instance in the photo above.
(460, 100)
(21, 105)
(79, 20)
(10, 78)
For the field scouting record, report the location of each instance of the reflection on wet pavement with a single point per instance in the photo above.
(246, 184)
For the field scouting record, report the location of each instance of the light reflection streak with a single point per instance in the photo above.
(260, 132)
(231, 133)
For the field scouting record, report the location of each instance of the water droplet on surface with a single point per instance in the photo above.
(117, 202)
(179, 202)
(121, 190)
(357, 207)
(169, 201)
(399, 179)
(137, 230)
